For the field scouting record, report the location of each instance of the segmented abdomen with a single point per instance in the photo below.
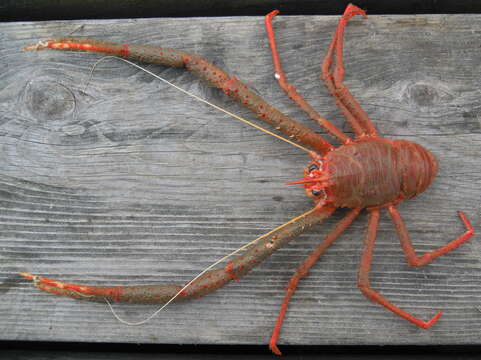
(363, 173)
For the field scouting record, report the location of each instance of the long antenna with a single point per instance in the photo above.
(201, 100)
(243, 247)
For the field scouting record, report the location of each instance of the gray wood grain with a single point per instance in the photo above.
(126, 181)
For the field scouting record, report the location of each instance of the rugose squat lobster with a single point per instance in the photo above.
(367, 172)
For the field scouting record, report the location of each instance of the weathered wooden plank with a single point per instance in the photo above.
(126, 181)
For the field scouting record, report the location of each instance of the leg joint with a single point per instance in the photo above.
(368, 292)
(420, 260)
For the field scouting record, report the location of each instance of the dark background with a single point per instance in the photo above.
(35, 10)
(28, 10)
(89, 351)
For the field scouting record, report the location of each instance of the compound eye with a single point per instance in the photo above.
(313, 167)
(316, 192)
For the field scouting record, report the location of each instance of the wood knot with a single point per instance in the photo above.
(425, 94)
(47, 100)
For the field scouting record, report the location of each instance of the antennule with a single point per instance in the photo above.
(308, 181)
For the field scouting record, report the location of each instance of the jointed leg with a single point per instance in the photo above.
(327, 77)
(356, 116)
(291, 90)
(407, 246)
(303, 270)
(363, 278)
